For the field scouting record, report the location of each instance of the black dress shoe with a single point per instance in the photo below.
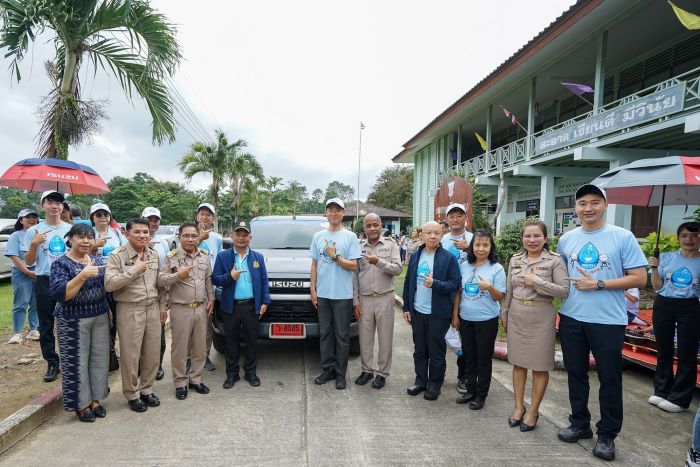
(462, 386)
(525, 427)
(364, 378)
(99, 411)
(252, 379)
(513, 422)
(200, 388)
(137, 405)
(477, 403)
(150, 400)
(231, 380)
(431, 395)
(466, 397)
(379, 382)
(572, 433)
(160, 374)
(324, 377)
(209, 365)
(340, 382)
(51, 373)
(415, 389)
(87, 415)
(604, 448)
(181, 393)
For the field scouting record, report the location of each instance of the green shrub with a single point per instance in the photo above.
(668, 242)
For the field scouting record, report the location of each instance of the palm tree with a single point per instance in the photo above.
(213, 160)
(243, 172)
(126, 38)
(271, 184)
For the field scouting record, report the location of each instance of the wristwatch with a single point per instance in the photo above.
(601, 285)
(336, 257)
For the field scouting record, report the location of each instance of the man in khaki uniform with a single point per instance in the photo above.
(187, 271)
(373, 300)
(132, 276)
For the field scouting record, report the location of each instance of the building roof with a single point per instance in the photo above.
(365, 208)
(578, 10)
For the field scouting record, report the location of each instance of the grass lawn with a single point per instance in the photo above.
(398, 282)
(5, 306)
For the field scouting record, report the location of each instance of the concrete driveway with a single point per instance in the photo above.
(290, 421)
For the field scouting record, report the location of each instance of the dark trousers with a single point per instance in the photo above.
(242, 318)
(578, 339)
(44, 307)
(478, 338)
(681, 315)
(429, 349)
(162, 343)
(334, 322)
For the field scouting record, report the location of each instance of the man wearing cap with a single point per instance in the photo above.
(593, 317)
(152, 215)
(132, 277)
(23, 278)
(456, 242)
(373, 300)
(187, 273)
(212, 243)
(42, 245)
(334, 254)
(244, 300)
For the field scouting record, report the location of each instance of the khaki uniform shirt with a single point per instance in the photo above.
(127, 282)
(550, 282)
(377, 279)
(197, 287)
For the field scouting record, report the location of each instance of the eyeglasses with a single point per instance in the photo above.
(189, 236)
(101, 214)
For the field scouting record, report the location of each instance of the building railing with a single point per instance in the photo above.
(520, 151)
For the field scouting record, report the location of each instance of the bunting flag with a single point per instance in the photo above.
(687, 19)
(577, 89)
(481, 140)
(510, 115)
(453, 154)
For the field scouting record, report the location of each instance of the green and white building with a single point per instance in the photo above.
(644, 66)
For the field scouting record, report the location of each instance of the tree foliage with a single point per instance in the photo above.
(125, 38)
(394, 189)
(336, 189)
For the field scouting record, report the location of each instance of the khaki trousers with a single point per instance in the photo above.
(188, 327)
(138, 328)
(210, 334)
(377, 316)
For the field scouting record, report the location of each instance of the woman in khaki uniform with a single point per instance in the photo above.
(535, 277)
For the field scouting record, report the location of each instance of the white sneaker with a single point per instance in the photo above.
(656, 400)
(33, 335)
(671, 407)
(692, 459)
(15, 339)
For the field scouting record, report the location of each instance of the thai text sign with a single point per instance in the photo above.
(646, 108)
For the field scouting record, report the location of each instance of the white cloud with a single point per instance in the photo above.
(295, 79)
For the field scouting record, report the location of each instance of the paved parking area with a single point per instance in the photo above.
(290, 421)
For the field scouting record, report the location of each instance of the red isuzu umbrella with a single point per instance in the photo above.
(54, 174)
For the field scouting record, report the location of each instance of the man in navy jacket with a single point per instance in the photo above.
(244, 299)
(432, 279)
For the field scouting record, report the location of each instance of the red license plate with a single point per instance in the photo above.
(287, 331)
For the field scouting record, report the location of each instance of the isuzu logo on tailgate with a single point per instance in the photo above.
(287, 284)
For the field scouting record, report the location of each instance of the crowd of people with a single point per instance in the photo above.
(89, 278)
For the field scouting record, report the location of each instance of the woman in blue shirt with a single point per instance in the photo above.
(475, 313)
(82, 323)
(675, 276)
(23, 278)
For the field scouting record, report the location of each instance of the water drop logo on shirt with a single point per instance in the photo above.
(588, 256)
(57, 247)
(471, 288)
(107, 249)
(682, 278)
(322, 251)
(455, 251)
(423, 271)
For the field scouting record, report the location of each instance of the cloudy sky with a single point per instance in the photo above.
(294, 79)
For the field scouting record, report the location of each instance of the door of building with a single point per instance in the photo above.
(644, 219)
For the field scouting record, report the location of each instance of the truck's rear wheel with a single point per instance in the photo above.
(219, 342)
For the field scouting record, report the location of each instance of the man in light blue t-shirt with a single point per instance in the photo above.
(41, 246)
(334, 254)
(456, 241)
(594, 316)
